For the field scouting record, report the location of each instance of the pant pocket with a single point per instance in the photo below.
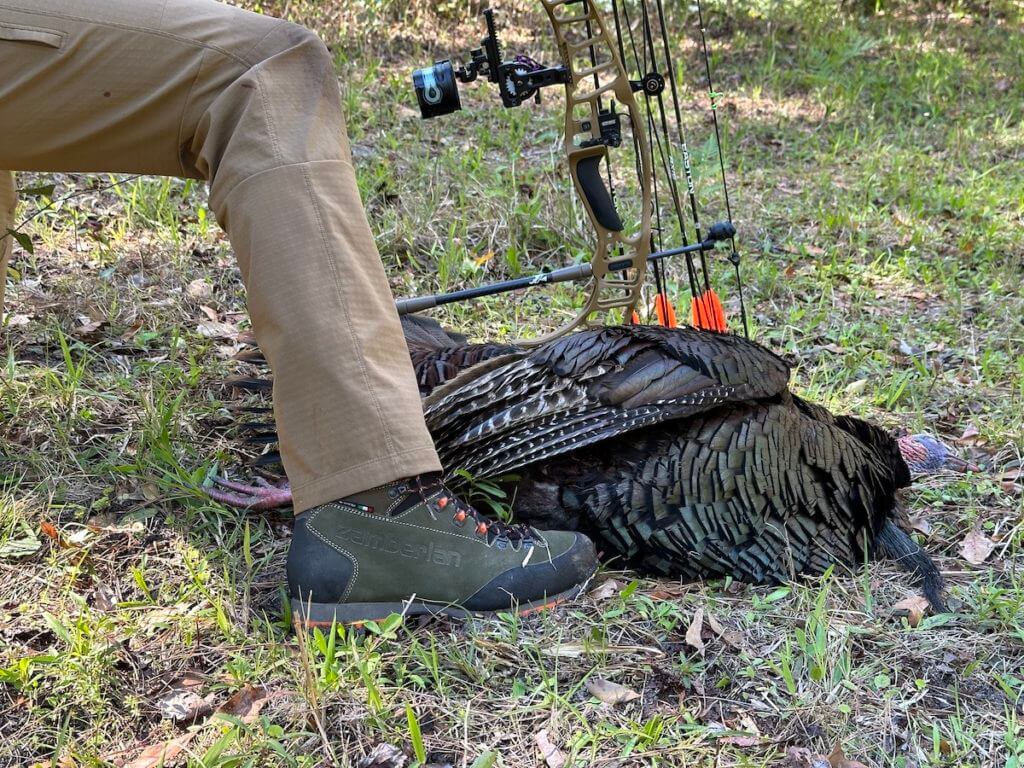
(51, 38)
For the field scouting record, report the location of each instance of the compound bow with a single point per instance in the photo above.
(606, 103)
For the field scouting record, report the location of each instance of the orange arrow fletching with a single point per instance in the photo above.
(707, 312)
(665, 312)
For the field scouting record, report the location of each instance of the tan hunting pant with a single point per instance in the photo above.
(249, 103)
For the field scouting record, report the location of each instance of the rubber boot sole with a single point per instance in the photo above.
(327, 614)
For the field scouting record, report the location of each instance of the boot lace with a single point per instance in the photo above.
(462, 513)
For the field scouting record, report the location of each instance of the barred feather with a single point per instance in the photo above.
(680, 451)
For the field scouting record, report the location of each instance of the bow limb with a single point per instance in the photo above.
(599, 95)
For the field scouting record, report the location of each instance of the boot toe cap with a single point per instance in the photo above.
(555, 569)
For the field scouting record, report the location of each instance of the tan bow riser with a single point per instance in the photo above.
(599, 81)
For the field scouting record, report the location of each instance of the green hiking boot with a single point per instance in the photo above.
(412, 547)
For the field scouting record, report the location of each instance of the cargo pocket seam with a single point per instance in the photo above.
(51, 38)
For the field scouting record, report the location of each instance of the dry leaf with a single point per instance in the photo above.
(921, 525)
(606, 589)
(163, 753)
(914, 608)
(90, 330)
(969, 435)
(1012, 480)
(104, 597)
(693, 634)
(210, 313)
(552, 755)
(481, 260)
(976, 547)
(245, 704)
(838, 760)
(199, 289)
(743, 740)
(214, 330)
(716, 627)
(576, 650)
(610, 693)
(857, 387)
(384, 756)
(183, 706)
(801, 757)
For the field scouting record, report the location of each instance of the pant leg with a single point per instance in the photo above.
(8, 202)
(251, 104)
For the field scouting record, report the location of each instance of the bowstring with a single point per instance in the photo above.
(734, 256)
(661, 140)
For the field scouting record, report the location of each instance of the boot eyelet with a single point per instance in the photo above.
(460, 519)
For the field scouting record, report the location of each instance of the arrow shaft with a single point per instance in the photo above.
(565, 274)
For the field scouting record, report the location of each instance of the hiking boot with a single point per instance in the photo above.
(413, 547)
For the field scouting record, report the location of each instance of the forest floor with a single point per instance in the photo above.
(877, 168)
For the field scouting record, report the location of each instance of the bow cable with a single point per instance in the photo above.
(706, 309)
(734, 256)
(651, 81)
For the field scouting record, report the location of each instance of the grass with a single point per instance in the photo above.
(878, 185)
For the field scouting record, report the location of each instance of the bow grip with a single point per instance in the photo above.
(588, 172)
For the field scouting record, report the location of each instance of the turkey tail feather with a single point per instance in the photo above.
(895, 544)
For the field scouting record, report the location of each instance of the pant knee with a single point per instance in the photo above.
(296, 42)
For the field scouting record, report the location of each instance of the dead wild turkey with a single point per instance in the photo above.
(681, 451)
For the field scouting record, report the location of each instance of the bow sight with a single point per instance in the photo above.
(437, 87)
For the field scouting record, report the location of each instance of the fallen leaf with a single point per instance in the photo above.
(606, 589)
(384, 756)
(552, 755)
(163, 753)
(914, 608)
(801, 757)
(14, 547)
(210, 313)
(244, 704)
(908, 349)
(743, 740)
(183, 706)
(838, 760)
(610, 693)
(90, 330)
(921, 524)
(967, 438)
(857, 387)
(481, 260)
(576, 650)
(1012, 480)
(104, 597)
(214, 330)
(17, 320)
(693, 633)
(199, 289)
(976, 547)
